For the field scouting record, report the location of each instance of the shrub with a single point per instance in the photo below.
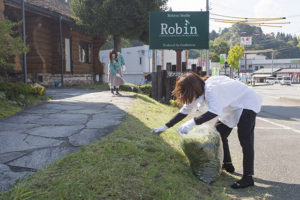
(20, 92)
(142, 89)
(175, 103)
(2, 95)
(145, 89)
(129, 87)
(10, 45)
(39, 90)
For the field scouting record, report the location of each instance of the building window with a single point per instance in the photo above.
(261, 67)
(256, 67)
(140, 60)
(67, 2)
(250, 66)
(85, 52)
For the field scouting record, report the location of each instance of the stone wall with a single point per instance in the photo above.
(47, 79)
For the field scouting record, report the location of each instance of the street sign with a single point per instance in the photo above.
(222, 59)
(149, 53)
(246, 41)
(179, 30)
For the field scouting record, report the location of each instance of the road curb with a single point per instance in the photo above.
(289, 99)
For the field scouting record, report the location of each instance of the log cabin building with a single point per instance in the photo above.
(72, 58)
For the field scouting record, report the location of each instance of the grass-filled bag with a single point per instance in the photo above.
(203, 147)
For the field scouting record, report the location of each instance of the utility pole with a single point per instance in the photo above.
(272, 61)
(24, 41)
(61, 51)
(245, 58)
(207, 51)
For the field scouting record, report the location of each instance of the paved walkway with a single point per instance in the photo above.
(44, 133)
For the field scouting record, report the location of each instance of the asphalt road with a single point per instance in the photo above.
(277, 145)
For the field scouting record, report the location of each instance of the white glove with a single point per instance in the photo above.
(186, 127)
(159, 130)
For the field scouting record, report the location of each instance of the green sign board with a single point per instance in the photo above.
(222, 59)
(179, 30)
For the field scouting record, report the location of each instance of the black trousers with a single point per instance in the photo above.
(245, 131)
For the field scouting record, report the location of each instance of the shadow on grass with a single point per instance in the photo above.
(145, 99)
(129, 163)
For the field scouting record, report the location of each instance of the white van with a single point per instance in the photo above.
(286, 81)
(278, 79)
(270, 80)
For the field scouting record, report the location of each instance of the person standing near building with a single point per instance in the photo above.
(233, 102)
(115, 76)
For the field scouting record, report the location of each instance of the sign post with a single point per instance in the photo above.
(246, 41)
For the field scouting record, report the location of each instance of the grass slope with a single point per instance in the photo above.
(130, 163)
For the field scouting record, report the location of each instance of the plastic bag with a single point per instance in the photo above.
(203, 147)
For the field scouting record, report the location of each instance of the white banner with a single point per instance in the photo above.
(246, 41)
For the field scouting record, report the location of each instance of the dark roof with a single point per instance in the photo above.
(266, 71)
(51, 7)
(283, 71)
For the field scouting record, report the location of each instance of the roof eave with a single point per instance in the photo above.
(37, 9)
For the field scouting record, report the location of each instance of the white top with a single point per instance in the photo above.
(226, 98)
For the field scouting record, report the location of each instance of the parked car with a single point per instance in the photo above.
(278, 79)
(286, 81)
(270, 80)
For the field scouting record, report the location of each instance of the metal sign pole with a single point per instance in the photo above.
(207, 51)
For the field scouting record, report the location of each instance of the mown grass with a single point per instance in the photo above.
(130, 163)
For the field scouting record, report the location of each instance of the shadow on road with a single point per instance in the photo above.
(269, 190)
(280, 112)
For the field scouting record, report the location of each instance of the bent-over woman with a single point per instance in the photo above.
(233, 102)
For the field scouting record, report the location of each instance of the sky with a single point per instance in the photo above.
(247, 9)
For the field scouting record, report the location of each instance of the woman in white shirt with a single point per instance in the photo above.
(233, 102)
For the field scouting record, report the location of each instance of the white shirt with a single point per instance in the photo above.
(226, 98)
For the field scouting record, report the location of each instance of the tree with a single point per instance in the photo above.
(118, 18)
(235, 54)
(10, 46)
(217, 47)
(213, 35)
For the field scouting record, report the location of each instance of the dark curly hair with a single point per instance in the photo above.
(111, 53)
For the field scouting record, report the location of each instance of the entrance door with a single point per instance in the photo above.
(68, 54)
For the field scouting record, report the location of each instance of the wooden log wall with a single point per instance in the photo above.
(40, 40)
(42, 34)
(98, 66)
(2, 9)
(79, 67)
